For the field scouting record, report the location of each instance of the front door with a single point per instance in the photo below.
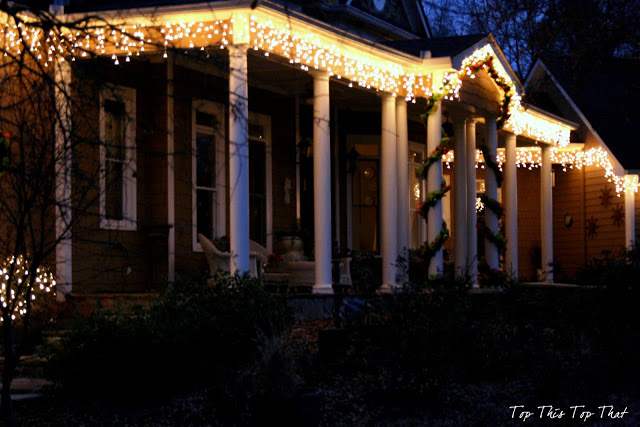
(260, 179)
(365, 205)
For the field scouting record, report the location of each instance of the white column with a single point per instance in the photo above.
(402, 159)
(546, 214)
(472, 216)
(630, 210)
(322, 181)
(511, 206)
(388, 192)
(336, 179)
(171, 210)
(238, 159)
(460, 202)
(434, 182)
(63, 153)
(491, 190)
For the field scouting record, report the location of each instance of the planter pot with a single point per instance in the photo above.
(294, 248)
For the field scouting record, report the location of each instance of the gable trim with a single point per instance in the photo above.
(619, 170)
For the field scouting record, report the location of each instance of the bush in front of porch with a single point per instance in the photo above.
(197, 334)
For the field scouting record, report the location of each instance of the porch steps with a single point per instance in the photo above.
(29, 381)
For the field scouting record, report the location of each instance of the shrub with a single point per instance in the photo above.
(196, 333)
(618, 271)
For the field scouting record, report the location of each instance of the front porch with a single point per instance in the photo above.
(271, 126)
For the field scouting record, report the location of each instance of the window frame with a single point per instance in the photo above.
(219, 225)
(264, 121)
(126, 95)
(422, 227)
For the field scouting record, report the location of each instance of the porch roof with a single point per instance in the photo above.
(271, 28)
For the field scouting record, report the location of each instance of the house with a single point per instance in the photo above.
(247, 118)
(599, 221)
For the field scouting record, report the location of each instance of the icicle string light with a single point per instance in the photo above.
(119, 42)
(308, 51)
(305, 49)
(531, 157)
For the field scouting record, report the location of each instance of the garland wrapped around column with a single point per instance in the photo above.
(507, 87)
(428, 250)
(495, 237)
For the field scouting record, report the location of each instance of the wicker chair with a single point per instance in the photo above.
(219, 260)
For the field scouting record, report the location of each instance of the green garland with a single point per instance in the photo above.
(429, 250)
(505, 86)
(432, 199)
(435, 156)
(495, 237)
(490, 161)
(493, 205)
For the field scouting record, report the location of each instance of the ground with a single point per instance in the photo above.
(500, 359)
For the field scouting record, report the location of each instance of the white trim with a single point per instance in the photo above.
(619, 170)
(171, 173)
(630, 211)
(129, 209)
(265, 121)
(219, 226)
(298, 138)
(336, 176)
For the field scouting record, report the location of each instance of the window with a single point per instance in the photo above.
(208, 171)
(417, 226)
(260, 212)
(118, 158)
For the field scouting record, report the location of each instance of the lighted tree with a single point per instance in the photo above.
(40, 148)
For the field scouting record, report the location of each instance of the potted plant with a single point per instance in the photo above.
(292, 243)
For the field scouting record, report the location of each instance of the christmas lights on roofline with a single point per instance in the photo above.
(531, 157)
(303, 49)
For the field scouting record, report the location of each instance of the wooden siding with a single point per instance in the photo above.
(118, 260)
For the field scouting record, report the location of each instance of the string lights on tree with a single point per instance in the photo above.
(16, 291)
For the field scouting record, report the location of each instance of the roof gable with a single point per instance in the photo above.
(604, 98)
(405, 14)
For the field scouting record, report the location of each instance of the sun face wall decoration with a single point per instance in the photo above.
(592, 227)
(605, 196)
(618, 215)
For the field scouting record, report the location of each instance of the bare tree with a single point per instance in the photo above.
(512, 22)
(586, 31)
(46, 129)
